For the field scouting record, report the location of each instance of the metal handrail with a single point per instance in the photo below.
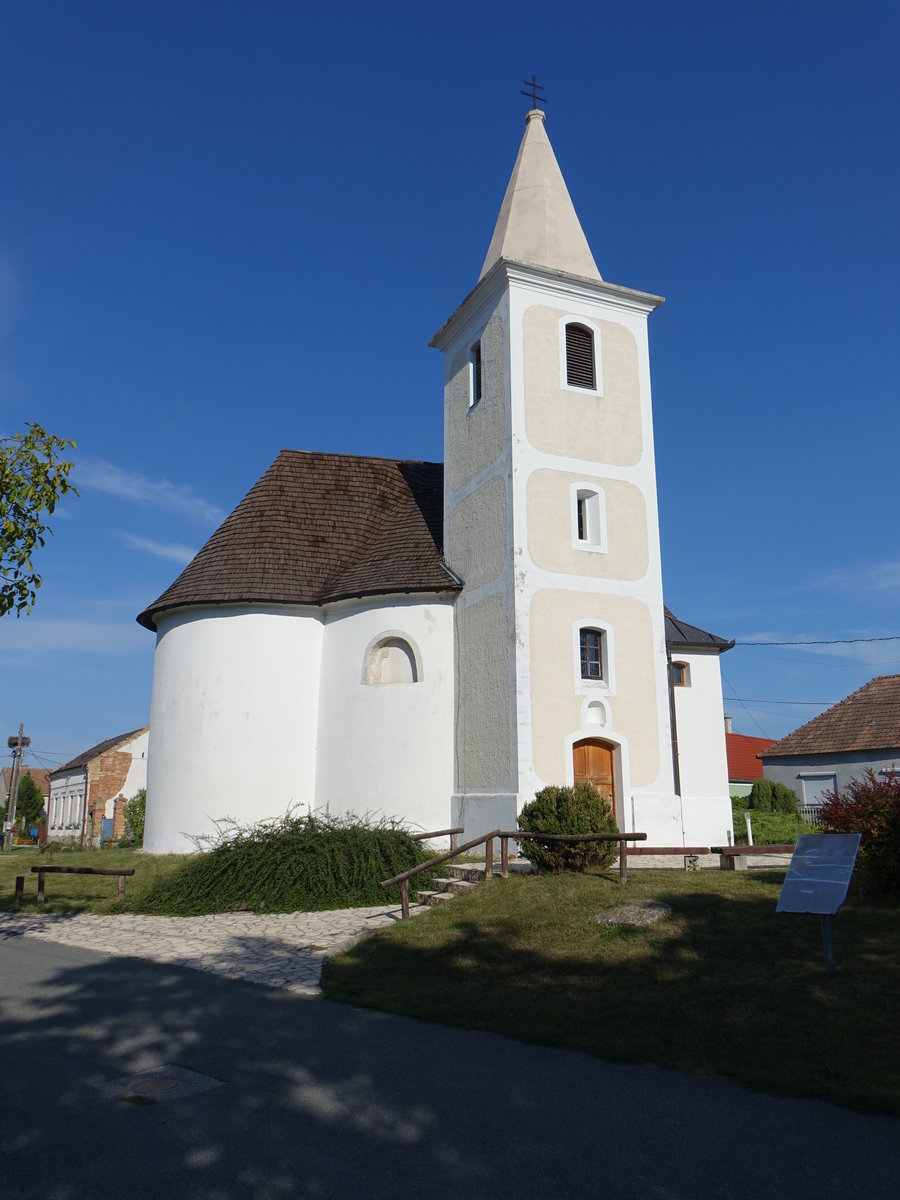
(505, 835)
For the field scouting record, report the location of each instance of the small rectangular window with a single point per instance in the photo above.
(475, 374)
(582, 517)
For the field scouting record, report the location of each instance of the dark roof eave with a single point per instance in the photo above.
(719, 645)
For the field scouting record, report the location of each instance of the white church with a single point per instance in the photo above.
(437, 642)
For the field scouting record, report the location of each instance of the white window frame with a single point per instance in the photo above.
(607, 683)
(597, 389)
(596, 540)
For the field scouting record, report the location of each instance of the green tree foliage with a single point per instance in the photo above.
(784, 799)
(135, 813)
(568, 810)
(870, 806)
(760, 798)
(33, 477)
(29, 801)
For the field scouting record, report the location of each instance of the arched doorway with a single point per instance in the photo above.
(594, 761)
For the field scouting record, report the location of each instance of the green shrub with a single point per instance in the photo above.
(769, 828)
(293, 864)
(784, 799)
(568, 810)
(135, 814)
(870, 806)
(760, 798)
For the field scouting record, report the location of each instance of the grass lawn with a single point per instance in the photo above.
(81, 893)
(724, 985)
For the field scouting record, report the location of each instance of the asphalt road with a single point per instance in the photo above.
(317, 1100)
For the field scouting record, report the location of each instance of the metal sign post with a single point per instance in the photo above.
(817, 880)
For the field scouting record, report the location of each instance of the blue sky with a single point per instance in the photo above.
(227, 228)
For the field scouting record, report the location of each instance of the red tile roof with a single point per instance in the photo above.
(40, 776)
(322, 527)
(741, 750)
(868, 719)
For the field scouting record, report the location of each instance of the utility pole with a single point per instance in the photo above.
(16, 744)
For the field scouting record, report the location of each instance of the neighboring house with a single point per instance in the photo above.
(744, 764)
(38, 774)
(88, 794)
(437, 642)
(827, 752)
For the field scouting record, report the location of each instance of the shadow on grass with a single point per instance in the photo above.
(724, 985)
(326, 1101)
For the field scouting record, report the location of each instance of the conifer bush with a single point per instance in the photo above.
(761, 798)
(580, 809)
(870, 806)
(784, 799)
(292, 864)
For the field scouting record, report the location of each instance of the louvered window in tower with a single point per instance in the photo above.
(580, 357)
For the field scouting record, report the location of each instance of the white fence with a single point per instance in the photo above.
(811, 813)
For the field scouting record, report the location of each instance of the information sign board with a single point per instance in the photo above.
(819, 874)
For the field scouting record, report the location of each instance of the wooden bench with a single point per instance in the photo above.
(41, 872)
(683, 851)
(731, 858)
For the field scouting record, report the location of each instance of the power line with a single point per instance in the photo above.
(892, 637)
(813, 703)
(744, 706)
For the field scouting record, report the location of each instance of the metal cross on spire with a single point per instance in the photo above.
(534, 87)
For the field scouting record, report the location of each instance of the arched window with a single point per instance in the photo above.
(580, 370)
(681, 674)
(391, 659)
(592, 643)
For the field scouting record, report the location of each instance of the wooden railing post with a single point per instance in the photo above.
(20, 888)
(40, 895)
(504, 856)
(454, 840)
(623, 861)
(488, 857)
(121, 887)
(404, 898)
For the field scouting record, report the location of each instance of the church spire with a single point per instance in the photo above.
(537, 222)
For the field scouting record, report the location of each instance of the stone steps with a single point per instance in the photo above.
(462, 878)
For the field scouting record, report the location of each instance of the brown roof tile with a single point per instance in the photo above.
(86, 756)
(868, 719)
(322, 527)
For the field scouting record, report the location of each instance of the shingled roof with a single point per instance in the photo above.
(86, 756)
(318, 528)
(868, 719)
(679, 633)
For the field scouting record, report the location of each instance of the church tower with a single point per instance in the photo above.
(551, 523)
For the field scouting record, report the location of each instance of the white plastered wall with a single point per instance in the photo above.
(702, 762)
(137, 772)
(233, 719)
(386, 749)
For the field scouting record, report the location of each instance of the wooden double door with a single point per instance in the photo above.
(594, 761)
